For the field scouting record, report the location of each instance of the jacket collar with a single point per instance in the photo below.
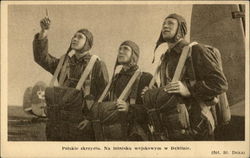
(177, 49)
(129, 71)
(84, 58)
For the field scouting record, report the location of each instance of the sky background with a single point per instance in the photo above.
(110, 25)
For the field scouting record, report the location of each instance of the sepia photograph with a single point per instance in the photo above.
(125, 79)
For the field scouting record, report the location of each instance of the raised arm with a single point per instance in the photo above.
(40, 48)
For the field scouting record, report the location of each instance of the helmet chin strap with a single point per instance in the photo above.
(128, 63)
(171, 45)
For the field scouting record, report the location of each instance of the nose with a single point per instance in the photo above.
(120, 51)
(74, 39)
(165, 24)
(165, 27)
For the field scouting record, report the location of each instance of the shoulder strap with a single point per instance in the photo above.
(63, 72)
(185, 52)
(105, 91)
(125, 92)
(107, 88)
(153, 80)
(56, 73)
(127, 89)
(162, 74)
(87, 71)
(133, 94)
(179, 68)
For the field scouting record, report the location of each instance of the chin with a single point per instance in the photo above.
(166, 38)
(73, 48)
(122, 62)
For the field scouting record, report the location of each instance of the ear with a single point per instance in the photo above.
(133, 59)
(86, 46)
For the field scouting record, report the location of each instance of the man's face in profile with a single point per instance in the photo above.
(78, 41)
(124, 54)
(169, 28)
